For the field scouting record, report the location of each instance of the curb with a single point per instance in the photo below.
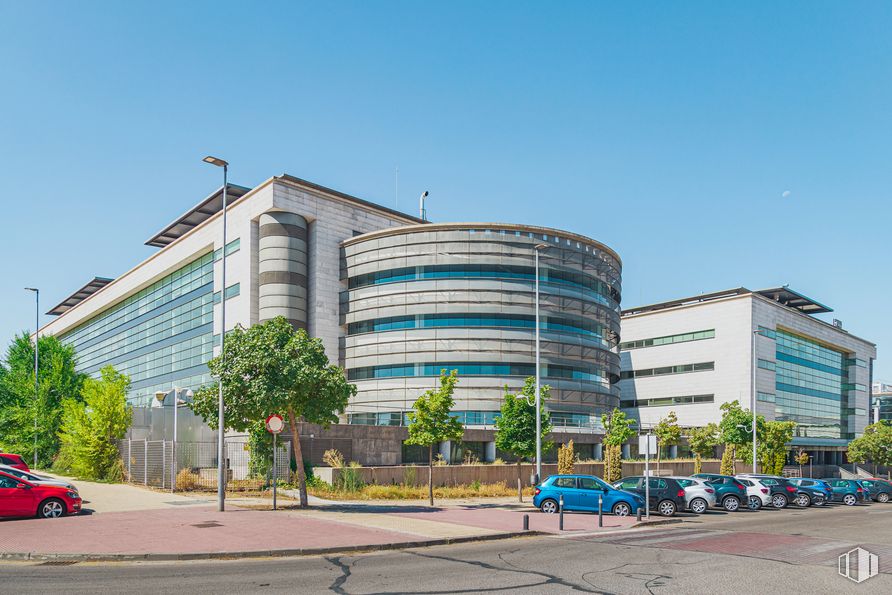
(283, 553)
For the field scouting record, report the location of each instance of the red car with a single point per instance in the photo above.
(21, 498)
(13, 461)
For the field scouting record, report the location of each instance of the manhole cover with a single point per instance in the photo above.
(58, 563)
(207, 525)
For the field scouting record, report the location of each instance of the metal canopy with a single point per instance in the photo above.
(791, 299)
(80, 295)
(782, 295)
(197, 215)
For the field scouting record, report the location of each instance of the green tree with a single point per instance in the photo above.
(273, 368)
(772, 447)
(617, 430)
(516, 425)
(735, 431)
(875, 445)
(18, 407)
(703, 441)
(668, 433)
(431, 421)
(91, 427)
(801, 459)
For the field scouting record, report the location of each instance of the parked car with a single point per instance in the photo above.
(13, 461)
(757, 494)
(699, 496)
(847, 491)
(666, 494)
(580, 492)
(782, 491)
(730, 493)
(35, 478)
(880, 489)
(811, 491)
(21, 498)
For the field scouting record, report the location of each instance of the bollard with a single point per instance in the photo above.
(561, 513)
(526, 522)
(638, 515)
(600, 510)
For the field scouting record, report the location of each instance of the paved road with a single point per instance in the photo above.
(793, 551)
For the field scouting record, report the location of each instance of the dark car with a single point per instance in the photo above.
(729, 493)
(666, 494)
(782, 491)
(811, 491)
(880, 489)
(847, 491)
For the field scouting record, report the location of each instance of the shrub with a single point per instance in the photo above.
(727, 467)
(410, 476)
(439, 461)
(333, 458)
(470, 458)
(350, 479)
(186, 480)
(498, 461)
(475, 485)
(565, 459)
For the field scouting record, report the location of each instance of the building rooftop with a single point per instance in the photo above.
(782, 295)
(197, 215)
(80, 295)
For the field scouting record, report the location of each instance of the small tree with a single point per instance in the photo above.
(874, 445)
(272, 368)
(91, 428)
(668, 433)
(516, 425)
(617, 430)
(431, 421)
(703, 441)
(566, 458)
(802, 459)
(735, 431)
(773, 439)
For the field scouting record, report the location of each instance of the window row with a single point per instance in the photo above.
(559, 419)
(667, 401)
(477, 369)
(664, 370)
(668, 340)
(231, 248)
(180, 356)
(231, 292)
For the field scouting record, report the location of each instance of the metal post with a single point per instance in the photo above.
(130, 460)
(145, 461)
(647, 474)
(275, 472)
(526, 522)
(36, 364)
(755, 332)
(163, 462)
(538, 379)
(600, 510)
(221, 470)
(173, 469)
(561, 512)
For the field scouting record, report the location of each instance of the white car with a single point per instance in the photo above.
(757, 493)
(699, 496)
(38, 479)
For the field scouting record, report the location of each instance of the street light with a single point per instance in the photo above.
(36, 369)
(421, 209)
(536, 250)
(755, 332)
(221, 472)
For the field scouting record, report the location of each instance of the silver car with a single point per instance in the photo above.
(699, 496)
(37, 479)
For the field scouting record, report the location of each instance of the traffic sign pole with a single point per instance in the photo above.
(274, 425)
(275, 472)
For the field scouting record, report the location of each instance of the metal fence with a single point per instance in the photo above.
(193, 465)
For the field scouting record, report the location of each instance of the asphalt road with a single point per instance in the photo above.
(792, 551)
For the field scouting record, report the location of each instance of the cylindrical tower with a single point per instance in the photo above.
(460, 296)
(283, 267)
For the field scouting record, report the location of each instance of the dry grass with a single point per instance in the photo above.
(404, 492)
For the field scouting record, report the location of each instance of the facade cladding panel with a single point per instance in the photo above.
(461, 296)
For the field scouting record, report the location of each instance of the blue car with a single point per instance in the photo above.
(811, 491)
(580, 492)
(847, 491)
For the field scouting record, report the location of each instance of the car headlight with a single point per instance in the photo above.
(73, 495)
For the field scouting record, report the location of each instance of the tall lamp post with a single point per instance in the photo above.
(755, 362)
(536, 250)
(36, 361)
(221, 469)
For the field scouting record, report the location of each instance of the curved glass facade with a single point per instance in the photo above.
(461, 297)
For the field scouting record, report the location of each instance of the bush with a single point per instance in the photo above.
(350, 479)
(333, 458)
(410, 476)
(565, 459)
(186, 480)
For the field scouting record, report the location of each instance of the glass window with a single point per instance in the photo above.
(565, 482)
(630, 483)
(591, 483)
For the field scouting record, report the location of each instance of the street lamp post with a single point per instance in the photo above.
(36, 363)
(755, 361)
(536, 250)
(221, 469)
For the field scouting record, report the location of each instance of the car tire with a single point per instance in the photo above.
(883, 497)
(779, 501)
(51, 508)
(850, 500)
(548, 506)
(803, 500)
(622, 509)
(667, 508)
(754, 503)
(699, 505)
(731, 503)
(820, 500)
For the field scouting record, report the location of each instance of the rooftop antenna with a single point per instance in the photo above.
(421, 204)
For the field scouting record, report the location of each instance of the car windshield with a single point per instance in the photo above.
(686, 482)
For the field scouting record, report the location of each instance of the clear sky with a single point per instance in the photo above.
(712, 145)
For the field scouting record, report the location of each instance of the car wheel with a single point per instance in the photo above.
(52, 508)
(820, 500)
(731, 504)
(621, 509)
(667, 508)
(850, 499)
(803, 500)
(779, 501)
(755, 503)
(882, 497)
(699, 505)
(549, 506)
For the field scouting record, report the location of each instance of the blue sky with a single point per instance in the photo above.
(669, 131)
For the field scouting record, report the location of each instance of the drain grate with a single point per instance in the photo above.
(58, 563)
(207, 525)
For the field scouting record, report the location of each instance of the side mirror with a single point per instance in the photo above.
(23, 486)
